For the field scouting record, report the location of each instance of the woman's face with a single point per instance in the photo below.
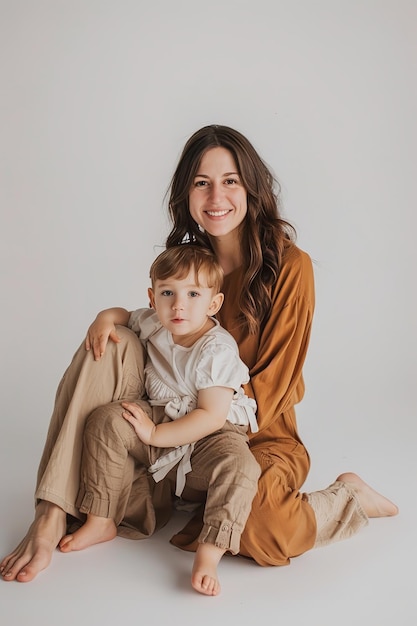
(217, 199)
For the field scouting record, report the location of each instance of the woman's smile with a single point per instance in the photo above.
(218, 199)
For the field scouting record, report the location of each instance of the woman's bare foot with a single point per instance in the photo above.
(34, 552)
(373, 503)
(95, 530)
(204, 575)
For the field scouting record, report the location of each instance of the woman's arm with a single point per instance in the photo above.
(276, 372)
(213, 406)
(276, 381)
(104, 328)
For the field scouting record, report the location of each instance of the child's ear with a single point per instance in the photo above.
(151, 297)
(216, 303)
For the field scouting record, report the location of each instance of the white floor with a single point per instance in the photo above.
(369, 579)
(99, 98)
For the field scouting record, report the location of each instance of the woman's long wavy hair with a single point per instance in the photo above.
(263, 232)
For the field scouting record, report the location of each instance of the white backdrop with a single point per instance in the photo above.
(97, 100)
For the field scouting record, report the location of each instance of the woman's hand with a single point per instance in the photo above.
(104, 328)
(143, 425)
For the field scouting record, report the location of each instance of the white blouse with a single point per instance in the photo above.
(175, 374)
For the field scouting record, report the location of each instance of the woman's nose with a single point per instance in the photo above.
(216, 193)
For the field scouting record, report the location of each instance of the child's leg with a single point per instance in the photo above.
(222, 465)
(204, 575)
(110, 449)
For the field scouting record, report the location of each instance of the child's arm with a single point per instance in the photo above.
(104, 328)
(213, 405)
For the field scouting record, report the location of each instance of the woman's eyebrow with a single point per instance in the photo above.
(225, 174)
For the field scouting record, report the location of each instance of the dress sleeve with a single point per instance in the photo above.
(276, 377)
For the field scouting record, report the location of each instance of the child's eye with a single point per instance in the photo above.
(193, 294)
(166, 292)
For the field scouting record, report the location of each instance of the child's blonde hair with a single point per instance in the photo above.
(178, 261)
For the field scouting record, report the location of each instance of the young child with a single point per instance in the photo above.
(194, 371)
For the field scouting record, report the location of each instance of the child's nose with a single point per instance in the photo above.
(177, 306)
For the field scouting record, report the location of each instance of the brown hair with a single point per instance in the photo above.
(178, 261)
(263, 232)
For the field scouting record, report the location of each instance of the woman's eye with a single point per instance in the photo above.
(200, 183)
(231, 181)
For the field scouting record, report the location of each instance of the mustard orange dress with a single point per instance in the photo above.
(281, 524)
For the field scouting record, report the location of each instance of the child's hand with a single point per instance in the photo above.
(98, 334)
(143, 425)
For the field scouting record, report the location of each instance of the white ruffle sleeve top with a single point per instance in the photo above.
(174, 375)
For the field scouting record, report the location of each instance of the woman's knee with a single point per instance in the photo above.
(129, 344)
(126, 334)
(123, 364)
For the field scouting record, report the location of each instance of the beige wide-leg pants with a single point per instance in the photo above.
(86, 385)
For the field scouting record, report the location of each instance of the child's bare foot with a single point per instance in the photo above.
(373, 503)
(204, 575)
(34, 552)
(95, 530)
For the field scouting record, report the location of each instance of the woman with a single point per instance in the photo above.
(222, 197)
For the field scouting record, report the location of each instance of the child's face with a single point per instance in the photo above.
(182, 306)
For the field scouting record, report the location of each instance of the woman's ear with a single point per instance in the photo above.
(216, 303)
(151, 297)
